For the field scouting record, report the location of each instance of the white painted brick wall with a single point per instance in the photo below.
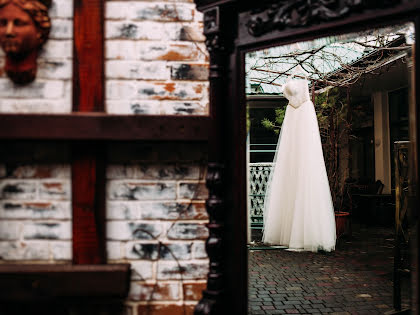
(191, 270)
(157, 63)
(142, 270)
(137, 70)
(51, 91)
(47, 230)
(170, 291)
(35, 213)
(156, 222)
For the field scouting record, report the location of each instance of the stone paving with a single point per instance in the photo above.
(355, 279)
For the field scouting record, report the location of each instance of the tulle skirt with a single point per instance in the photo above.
(298, 210)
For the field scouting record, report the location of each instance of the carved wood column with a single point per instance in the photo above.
(218, 47)
(211, 302)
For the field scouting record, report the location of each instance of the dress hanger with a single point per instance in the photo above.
(296, 71)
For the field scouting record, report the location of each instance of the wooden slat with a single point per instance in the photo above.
(46, 282)
(100, 126)
(88, 169)
(88, 65)
(88, 200)
(414, 180)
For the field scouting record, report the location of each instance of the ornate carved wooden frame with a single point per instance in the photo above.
(233, 27)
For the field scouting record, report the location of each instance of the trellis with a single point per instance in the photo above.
(259, 175)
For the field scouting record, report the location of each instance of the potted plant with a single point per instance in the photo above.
(334, 124)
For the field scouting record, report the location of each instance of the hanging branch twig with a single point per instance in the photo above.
(320, 62)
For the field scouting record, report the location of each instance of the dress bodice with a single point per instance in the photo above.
(297, 92)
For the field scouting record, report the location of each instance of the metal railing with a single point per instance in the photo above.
(256, 150)
(259, 175)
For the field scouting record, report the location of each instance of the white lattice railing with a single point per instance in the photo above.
(259, 174)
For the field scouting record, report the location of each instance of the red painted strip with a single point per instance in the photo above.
(88, 170)
(88, 199)
(88, 76)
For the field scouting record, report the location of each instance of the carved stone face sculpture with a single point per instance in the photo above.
(24, 28)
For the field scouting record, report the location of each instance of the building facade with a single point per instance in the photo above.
(156, 63)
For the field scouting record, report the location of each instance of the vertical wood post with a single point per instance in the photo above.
(88, 190)
(220, 176)
(414, 191)
(88, 56)
(88, 169)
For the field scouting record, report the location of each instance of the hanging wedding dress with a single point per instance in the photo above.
(298, 210)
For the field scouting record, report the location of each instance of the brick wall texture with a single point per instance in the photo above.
(156, 63)
(156, 222)
(35, 213)
(51, 92)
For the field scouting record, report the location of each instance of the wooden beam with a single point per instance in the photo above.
(100, 126)
(48, 282)
(88, 201)
(88, 169)
(88, 56)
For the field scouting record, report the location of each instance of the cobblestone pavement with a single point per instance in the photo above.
(355, 279)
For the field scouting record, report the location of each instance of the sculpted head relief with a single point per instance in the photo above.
(24, 28)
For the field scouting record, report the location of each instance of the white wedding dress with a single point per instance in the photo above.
(298, 209)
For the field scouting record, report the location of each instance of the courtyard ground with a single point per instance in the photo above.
(355, 279)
